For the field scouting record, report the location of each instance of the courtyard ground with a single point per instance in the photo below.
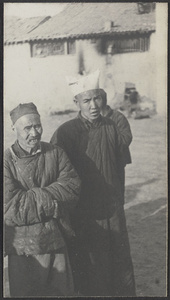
(145, 199)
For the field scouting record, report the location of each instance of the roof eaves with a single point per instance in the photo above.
(80, 35)
(92, 34)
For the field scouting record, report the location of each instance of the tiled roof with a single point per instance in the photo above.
(17, 29)
(83, 19)
(86, 19)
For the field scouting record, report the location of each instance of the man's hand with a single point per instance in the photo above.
(56, 210)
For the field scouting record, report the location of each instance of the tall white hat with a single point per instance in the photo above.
(84, 83)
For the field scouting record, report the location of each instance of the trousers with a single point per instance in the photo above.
(40, 275)
(100, 257)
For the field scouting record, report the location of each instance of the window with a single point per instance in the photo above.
(144, 8)
(39, 50)
(56, 48)
(71, 47)
(43, 49)
(125, 45)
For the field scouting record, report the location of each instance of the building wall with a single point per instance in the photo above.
(147, 70)
(137, 67)
(16, 51)
(42, 80)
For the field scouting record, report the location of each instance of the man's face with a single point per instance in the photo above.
(101, 103)
(28, 130)
(88, 102)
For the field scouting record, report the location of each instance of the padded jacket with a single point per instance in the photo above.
(40, 192)
(93, 148)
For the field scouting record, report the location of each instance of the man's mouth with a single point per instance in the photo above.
(34, 140)
(95, 113)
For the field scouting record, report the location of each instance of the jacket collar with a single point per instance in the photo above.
(109, 111)
(21, 153)
(88, 124)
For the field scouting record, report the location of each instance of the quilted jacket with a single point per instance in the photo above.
(40, 192)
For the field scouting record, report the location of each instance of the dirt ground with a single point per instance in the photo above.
(145, 199)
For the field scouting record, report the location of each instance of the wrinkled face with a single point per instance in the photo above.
(88, 102)
(28, 130)
(101, 103)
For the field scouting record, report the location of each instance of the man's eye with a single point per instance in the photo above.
(37, 127)
(28, 127)
(98, 98)
(86, 100)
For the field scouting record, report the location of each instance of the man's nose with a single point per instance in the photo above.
(93, 103)
(33, 131)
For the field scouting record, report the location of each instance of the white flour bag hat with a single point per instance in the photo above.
(84, 83)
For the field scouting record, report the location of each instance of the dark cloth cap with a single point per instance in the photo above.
(23, 109)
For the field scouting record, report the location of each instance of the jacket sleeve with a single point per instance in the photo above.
(124, 136)
(123, 128)
(23, 207)
(66, 189)
(41, 204)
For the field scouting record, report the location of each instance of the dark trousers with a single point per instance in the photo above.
(101, 260)
(40, 275)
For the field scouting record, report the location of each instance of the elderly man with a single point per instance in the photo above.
(123, 132)
(41, 189)
(101, 254)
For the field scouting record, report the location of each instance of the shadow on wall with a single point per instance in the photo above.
(81, 66)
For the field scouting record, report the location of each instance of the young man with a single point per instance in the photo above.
(100, 256)
(124, 134)
(41, 189)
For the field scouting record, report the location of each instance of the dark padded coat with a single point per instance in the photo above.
(101, 255)
(125, 138)
(123, 130)
(40, 192)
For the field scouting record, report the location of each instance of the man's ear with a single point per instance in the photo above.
(104, 96)
(13, 127)
(76, 102)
